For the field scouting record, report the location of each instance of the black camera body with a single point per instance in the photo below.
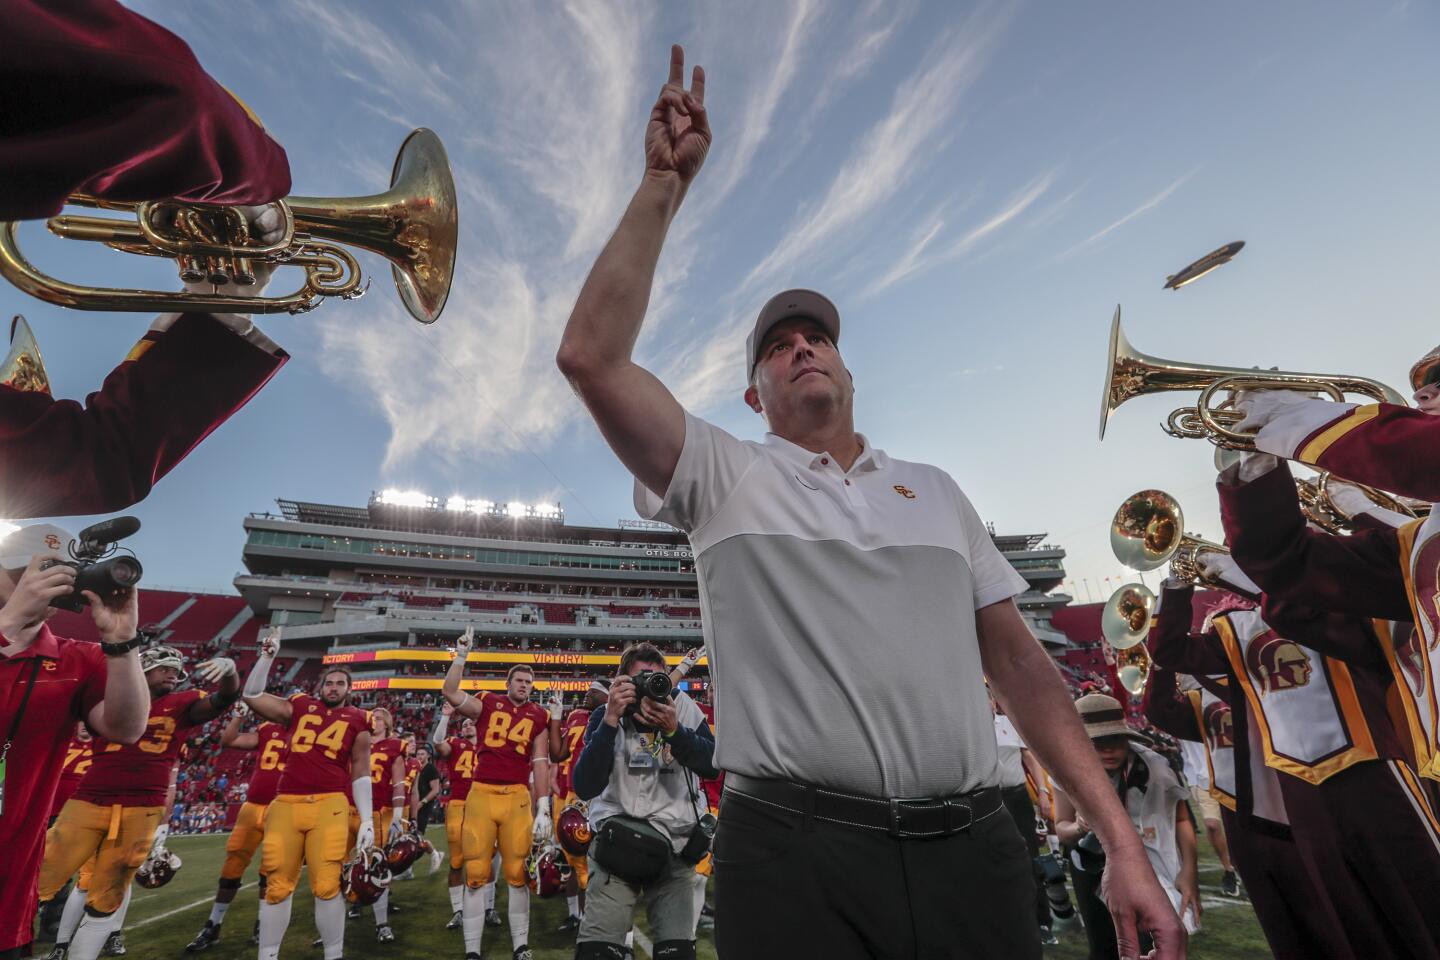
(96, 569)
(699, 841)
(649, 685)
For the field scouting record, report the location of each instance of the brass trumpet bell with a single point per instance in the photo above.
(1148, 531)
(1125, 621)
(1130, 373)
(1134, 666)
(23, 369)
(414, 225)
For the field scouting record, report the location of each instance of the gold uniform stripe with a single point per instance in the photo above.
(1312, 451)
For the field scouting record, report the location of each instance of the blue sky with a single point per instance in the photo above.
(976, 186)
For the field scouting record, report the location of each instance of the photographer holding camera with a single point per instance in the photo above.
(51, 682)
(639, 771)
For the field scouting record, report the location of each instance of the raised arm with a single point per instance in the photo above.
(267, 706)
(222, 671)
(559, 743)
(1028, 687)
(1168, 709)
(122, 715)
(232, 739)
(640, 419)
(1174, 646)
(442, 725)
(464, 704)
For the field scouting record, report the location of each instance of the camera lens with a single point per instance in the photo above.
(125, 572)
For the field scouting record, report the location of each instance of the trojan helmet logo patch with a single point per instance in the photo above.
(905, 492)
(1278, 664)
(1219, 725)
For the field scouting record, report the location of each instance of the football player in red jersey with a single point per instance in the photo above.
(458, 755)
(271, 742)
(308, 821)
(514, 735)
(565, 741)
(73, 768)
(387, 777)
(117, 813)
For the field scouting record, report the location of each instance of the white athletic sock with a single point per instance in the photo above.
(330, 923)
(518, 909)
(70, 916)
(700, 882)
(382, 909)
(573, 903)
(217, 912)
(630, 939)
(91, 935)
(474, 918)
(455, 897)
(274, 920)
(124, 908)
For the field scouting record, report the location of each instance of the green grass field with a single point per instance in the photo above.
(162, 921)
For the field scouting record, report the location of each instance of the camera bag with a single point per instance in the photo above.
(632, 849)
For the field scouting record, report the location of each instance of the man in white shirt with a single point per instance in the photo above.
(873, 588)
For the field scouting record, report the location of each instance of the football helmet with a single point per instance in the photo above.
(159, 655)
(158, 870)
(405, 850)
(547, 871)
(573, 829)
(365, 876)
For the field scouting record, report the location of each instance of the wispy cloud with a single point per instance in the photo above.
(919, 257)
(1145, 207)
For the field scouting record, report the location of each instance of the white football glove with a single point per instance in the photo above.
(1262, 406)
(1222, 567)
(556, 708)
(542, 830)
(692, 657)
(397, 827)
(270, 644)
(213, 671)
(157, 846)
(365, 836)
(1348, 498)
(437, 857)
(464, 643)
(242, 709)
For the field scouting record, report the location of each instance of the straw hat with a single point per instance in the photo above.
(1103, 716)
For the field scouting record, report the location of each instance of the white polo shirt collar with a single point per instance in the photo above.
(870, 457)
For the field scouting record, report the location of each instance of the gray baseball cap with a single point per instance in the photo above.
(806, 304)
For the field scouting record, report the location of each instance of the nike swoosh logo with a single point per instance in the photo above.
(805, 483)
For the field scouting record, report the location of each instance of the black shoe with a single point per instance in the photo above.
(522, 952)
(569, 924)
(492, 918)
(455, 921)
(317, 943)
(114, 945)
(353, 913)
(204, 939)
(472, 956)
(1230, 884)
(383, 934)
(1048, 938)
(60, 952)
(396, 908)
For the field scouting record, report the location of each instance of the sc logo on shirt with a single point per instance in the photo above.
(904, 491)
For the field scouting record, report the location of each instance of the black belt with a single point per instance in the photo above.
(904, 818)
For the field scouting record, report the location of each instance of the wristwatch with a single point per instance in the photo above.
(122, 647)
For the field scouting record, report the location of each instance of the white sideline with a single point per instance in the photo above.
(188, 906)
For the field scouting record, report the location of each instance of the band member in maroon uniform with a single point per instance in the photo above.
(1360, 821)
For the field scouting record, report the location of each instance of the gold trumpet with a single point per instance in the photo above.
(414, 225)
(1127, 615)
(1133, 665)
(1148, 531)
(1319, 508)
(1130, 373)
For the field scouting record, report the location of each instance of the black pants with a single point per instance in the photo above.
(788, 887)
(1099, 927)
(1022, 812)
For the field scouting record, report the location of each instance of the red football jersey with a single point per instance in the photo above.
(321, 739)
(138, 774)
(412, 769)
(506, 733)
(74, 767)
(573, 730)
(459, 768)
(270, 763)
(382, 763)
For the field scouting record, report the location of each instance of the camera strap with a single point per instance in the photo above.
(15, 726)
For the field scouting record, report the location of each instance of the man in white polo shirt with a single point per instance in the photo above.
(853, 605)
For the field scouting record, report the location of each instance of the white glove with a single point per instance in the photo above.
(556, 708)
(692, 657)
(464, 643)
(1348, 498)
(270, 643)
(1254, 465)
(266, 226)
(365, 836)
(157, 846)
(213, 671)
(397, 825)
(1222, 567)
(1262, 406)
(242, 709)
(542, 829)
(436, 858)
